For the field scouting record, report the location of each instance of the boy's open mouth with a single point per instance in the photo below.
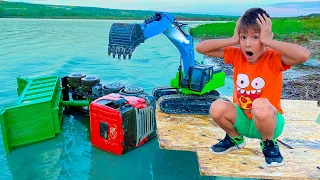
(249, 53)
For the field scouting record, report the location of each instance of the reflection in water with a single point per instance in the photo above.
(32, 48)
(37, 161)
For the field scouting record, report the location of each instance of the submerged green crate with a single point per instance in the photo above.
(36, 115)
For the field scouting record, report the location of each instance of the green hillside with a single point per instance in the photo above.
(26, 10)
(296, 29)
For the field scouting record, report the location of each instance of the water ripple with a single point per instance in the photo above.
(31, 48)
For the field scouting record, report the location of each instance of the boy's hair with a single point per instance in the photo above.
(249, 20)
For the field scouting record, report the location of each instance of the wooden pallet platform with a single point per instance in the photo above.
(197, 133)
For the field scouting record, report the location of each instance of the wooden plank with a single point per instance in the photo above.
(198, 133)
(187, 132)
(300, 163)
(300, 110)
(301, 134)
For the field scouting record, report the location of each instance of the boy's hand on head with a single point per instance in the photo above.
(236, 35)
(266, 28)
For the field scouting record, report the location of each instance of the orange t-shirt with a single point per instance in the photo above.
(260, 80)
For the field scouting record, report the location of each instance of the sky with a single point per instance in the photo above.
(277, 8)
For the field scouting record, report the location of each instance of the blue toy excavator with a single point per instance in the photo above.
(193, 89)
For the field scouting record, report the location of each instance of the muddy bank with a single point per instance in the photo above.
(303, 81)
(300, 82)
(312, 45)
(314, 48)
(304, 88)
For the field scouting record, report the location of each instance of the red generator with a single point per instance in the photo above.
(120, 123)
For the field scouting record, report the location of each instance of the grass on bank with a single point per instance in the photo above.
(292, 28)
(43, 11)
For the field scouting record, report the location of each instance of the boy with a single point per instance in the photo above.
(256, 111)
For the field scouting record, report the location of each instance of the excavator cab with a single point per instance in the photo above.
(199, 76)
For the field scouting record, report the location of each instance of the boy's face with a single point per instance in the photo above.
(251, 46)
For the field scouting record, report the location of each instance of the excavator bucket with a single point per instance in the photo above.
(124, 38)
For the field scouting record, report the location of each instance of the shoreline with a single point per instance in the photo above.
(20, 18)
(31, 18)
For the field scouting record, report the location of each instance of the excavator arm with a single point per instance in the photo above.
(193, 89)
(125, 38)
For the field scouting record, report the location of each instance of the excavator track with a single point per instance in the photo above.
(186, 104)
(164, 90)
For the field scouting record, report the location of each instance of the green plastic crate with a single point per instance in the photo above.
(36, 115)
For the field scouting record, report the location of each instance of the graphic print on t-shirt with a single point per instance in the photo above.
(248, 91)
